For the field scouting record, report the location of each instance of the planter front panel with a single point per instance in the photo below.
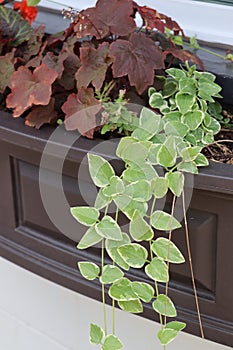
(30, 237)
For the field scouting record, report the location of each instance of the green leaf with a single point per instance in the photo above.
(139, 191)
(111, 247)
(134, 254)
(170, 87)
(143, 290)
(109, 228)
(188, 167)
(164, 221)
(176, 73)
(13, 26)
(153, 153)
(201, 160)
(156, 100)
(122, 290)
(96, 334)
(175, 182)
(149, 124)
(188, 86)
(100, 170)
(124, 144)
(137, 152)
(208, 139)
(132, 306)
(85, 215)
(88, 270)
(164, 306)
(101, 200)
(176, 128)
(167, 250)
(177, 326)
(166, 335)
(157, 270)
(184, 102)
(111, 274)
(212, 126)
(159, 187)
(128, 206)
(190, 153)
(115, 187)
(139, 229)
(172, 116)
(167, 153)
(111, 342)
(89, 239)
(207, 89)
(193, 119)
(134, 172)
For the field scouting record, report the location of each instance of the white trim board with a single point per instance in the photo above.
(208, 21)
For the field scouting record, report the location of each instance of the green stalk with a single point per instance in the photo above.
(103, 291)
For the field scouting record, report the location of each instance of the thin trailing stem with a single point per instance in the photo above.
(103, 290)
(168, 254)
(191, 266)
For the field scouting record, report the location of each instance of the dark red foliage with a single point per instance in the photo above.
(137, 57)
(80, 112)
(94, 64)
(106, 18)
(184, 55)
(41, 115)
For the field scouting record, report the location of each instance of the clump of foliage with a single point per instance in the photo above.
(64, 74)
(171, 140)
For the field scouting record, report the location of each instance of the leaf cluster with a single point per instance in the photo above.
(102, 46)
(157, 141)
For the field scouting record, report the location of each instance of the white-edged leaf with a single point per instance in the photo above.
(167, 250)
(122, 290)
(134, 254)
(139, 229)
(184, 102)
(166, 335)
(96, 334)
(89, 239)
(111, 342)
(164, 221)
(143, 290)
(175, 182)
(100, 170)
(176, 325)
(111, 247)
(132, 306)
(164, 306)
(166, 155)
(157, 270)
(109, 228)
(159, 187)
(88, 270)
(110, 274)
(85, 215)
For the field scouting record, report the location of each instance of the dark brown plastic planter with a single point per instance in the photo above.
(29, 238)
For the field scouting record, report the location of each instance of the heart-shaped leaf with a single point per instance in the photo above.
(164, 306)
(100, 170)
(96, 334)
(88, 270)
(132, 306)
(108, 228)
(140, 230)
(164, 221)
(111, 342)
(110, 274)
(143, 290)
(89, 239)
(167, 250)
(157, 270)
(134, 254)
(85, 215)
(122, 290)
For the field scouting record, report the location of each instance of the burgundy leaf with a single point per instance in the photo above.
(6, 70)
(155, 20)
(107, 17)
(184, 55)
(36, 61)
(71, 64)
(55, 62)
(30, 88)
(137, 58)
(94, 66)
(80, 112)
(41, 115)
(34, 43)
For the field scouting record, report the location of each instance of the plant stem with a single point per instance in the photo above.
(191, 266)
(168, 254)
(103, 291)
(113, 316)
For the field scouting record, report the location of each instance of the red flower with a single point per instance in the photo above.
(28, 12)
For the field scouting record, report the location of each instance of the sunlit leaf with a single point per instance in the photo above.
(110, 274)
(85, 215)
(122, 290)
(89, 239)
(157, 270)
(134, 254)
(111, 342)
(108, 228)
(167, 250)
(88, 270)
(164, 306)
(164, 221)
(166, 335)
(132, 306)
(100, 170)
(143, 290)
(96, 334)
(140, 230)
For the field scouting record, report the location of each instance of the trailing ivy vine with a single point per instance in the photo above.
(171, 141)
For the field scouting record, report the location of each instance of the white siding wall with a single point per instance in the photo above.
(39, 315)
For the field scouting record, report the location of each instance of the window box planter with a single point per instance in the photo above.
(29, 238)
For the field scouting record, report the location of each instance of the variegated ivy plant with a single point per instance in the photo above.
(171, 140)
